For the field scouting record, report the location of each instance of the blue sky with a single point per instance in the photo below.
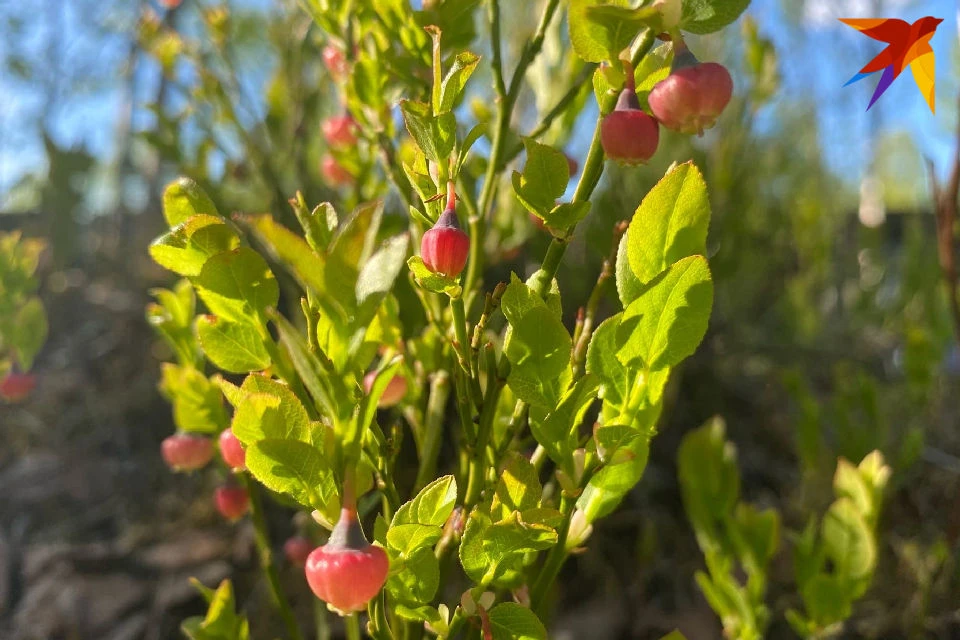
(816, 61)
(817, 55)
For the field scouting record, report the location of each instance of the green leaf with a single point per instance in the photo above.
(418, 579)
(565, 215)
(238, 285)
(416, 526)
(472, 136)
(351, 248)
(674, 635)
(407, 538)
(29, 331)
(848, 541)
(518, 488)
(295, 255)
(670, 224)
(496, 557)
(197, 405)
(435, 135)
(707, 16)
(221, 621)
(509, 539)
(180, 303)
(318, 225)
(432, 281)
(186, 247)
(231, 392)
(368, 407)
(709, 478)
(849, 483)
(608, 486)
(538, 347)
(599, 31)
(826, 599)
(545, 177)
(378, 274)
(511, 621)
(179, 337)
(757, 534)
(463, 67)
(183, 199)
(234, 347)
(297, 469)
(269, 409)
(327, 388)
(668, 320)
(432, 506)
(629, 286)
(602, 362)
(613, 442)
(557, 432)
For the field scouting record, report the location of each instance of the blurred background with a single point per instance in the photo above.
(831, 334)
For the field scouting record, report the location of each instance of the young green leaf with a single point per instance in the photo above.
(848, 541)
(238, 285)
(297, 469)
(600, 30)
(433, 281)
(511, 621)
(432, 506)
(707, 16)
(556, 432)
(709, 478)
(29, 331)
(221, 621)
(378, 274)
(670, 224)
(232, 346)
(197, 406)
(182, 199)
(538, 347)
(417, 580)
(608, 486)
(629, 286)
(291, 251)
(330, 394)
(545, 177)
(602, 362)
(269, 409)
(668, 320)
(453, 85)
(518, 488)
(435, 135)
(186, 247)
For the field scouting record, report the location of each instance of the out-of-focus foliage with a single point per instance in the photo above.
(23, 320)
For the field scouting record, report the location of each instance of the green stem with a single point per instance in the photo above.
(507, 99)
(351, 624)
(478, 464)
(433, 428)
(265, 552)
(460, 331)
(555, 559)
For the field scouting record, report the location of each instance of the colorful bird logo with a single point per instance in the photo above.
(908, 44)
